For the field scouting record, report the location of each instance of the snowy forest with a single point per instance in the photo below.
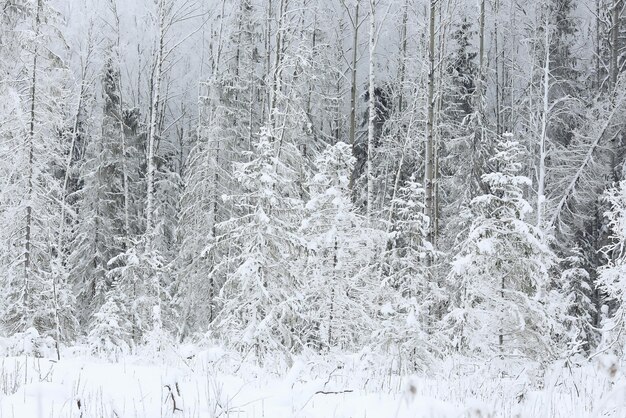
(418, 182)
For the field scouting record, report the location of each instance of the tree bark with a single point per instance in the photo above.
(152, 132)
(544, 125)
(30, 144)
(372, 110)
(276, 87)
(154, 286)
(355, 44)
(430, 128)
(403, 53)
(352, 121)
(615, 26)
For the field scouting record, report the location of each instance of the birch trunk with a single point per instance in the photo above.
(355, 44)
(152, 131)
(544, 126)
(277, 70)
(430, 131)
(152, 137)
(478, 99)
(70, 157)
(268, 61)
(438, 107)
(372, 110)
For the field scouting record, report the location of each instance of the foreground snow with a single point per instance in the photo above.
(212, 383)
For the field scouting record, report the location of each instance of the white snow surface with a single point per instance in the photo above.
(215, 383)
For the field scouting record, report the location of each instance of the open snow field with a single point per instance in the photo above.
(213, 383)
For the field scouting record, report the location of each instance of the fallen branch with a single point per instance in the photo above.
(324, 392)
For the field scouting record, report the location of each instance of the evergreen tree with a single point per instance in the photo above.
(408, 294)
(501, 273)
(260, 307)
(611, 277)
(340, 290)
(100, 233)
(229, 120)
(110, 329)
(578, 309)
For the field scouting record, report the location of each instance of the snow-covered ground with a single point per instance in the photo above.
(213, 383)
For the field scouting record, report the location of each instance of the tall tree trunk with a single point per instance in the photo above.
(276, 86)
(355, 44)
(499, 84)
(30, 144)
(403, 53)
(598, 57)
(352, 121)
(430, 128)
(152, 130)
(372, 109)
(615, 51)
(70, 156)
(154, 286)
(441, 51)
(122, 127)
(477, 143)
(615, 47)
(544, 124)
(268, 61)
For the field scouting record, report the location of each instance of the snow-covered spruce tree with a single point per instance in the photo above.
(105, 268)
(466, 141)
(208, 176)
(110, 330)
(36, 90)
(408, 294)
(128, 287)
(168, 186)
(142, 270)
(260, 302)
(500, 275)
(100, 233)
(462, 121)
(229, 118)
(339, 289)
(201, 208)
(578, 309)
(612, 277)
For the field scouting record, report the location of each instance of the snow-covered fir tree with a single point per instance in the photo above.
(229, 120)
(611, 277)
(340, 289)
(100, 233)
(260, 305)
(501, 273)
(409, 294)
(110, 330)
(578, 308)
